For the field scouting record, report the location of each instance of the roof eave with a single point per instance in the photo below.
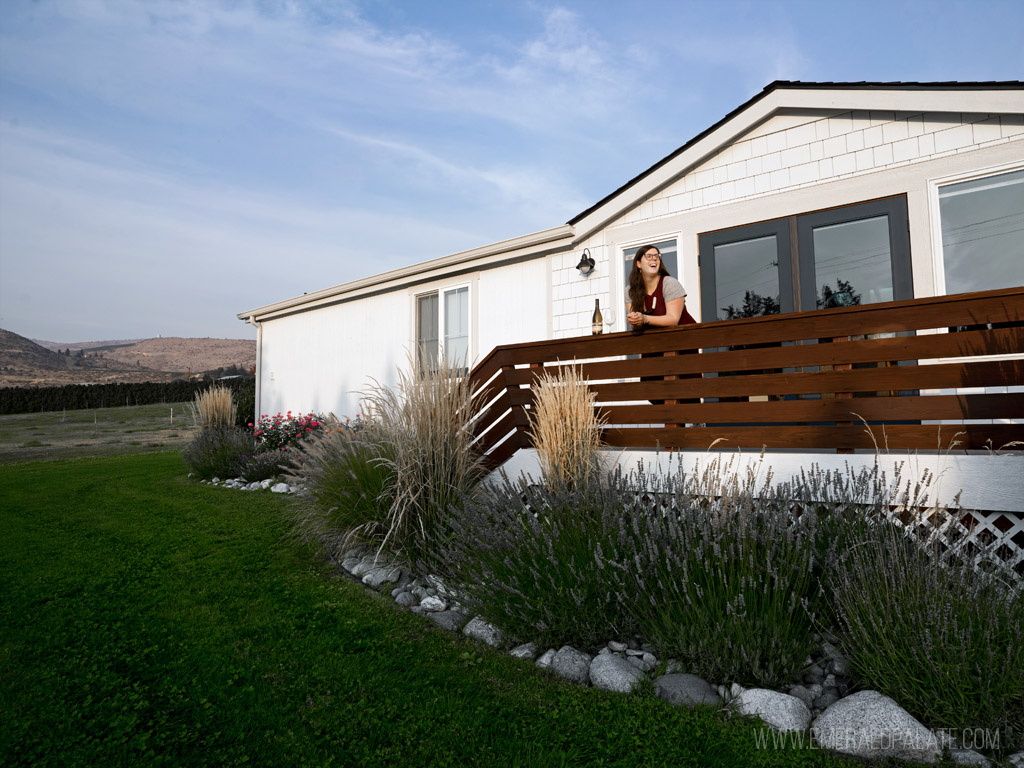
(485, 256)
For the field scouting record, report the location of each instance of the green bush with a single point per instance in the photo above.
(348, 483)
(936, 633)
(259, 465)
(536, 561)
(216, 451)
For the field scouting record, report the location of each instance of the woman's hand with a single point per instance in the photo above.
(635, 319)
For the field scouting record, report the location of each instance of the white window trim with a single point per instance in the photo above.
(620, 280)
(441, 290)
(938, 259)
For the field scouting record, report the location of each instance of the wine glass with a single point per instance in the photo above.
(609, 318)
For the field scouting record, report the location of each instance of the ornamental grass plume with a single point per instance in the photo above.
(565, 428)
(432, 463)
(214, 407)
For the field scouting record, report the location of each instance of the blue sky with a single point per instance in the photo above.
(165, 164)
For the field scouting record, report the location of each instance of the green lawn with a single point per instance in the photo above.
(149, 620)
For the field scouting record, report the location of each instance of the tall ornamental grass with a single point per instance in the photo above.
(565, 429)
(938, 634)
(348, 484)
(425, 422)
(213, 407)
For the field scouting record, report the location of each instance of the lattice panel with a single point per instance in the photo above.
(993, 539)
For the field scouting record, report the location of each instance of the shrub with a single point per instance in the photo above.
(425, 425)
(566, 429)
(279, 433)
(724, 576)
(348, 484)
(535, 560)
(214, 407)
(936, 633)
(255, 465)
(215, 451)
(245, 405)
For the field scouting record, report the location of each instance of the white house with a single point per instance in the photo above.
(899, 190)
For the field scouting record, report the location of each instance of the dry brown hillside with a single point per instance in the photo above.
(26, 363)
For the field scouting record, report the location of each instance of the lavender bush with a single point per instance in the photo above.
(932, 629)
(540, 563)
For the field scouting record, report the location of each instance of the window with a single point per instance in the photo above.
(667, 249)
(982, 225)
(858, 254)
(442, 327)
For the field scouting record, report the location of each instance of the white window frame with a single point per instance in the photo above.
(620, 280)
(938, 259)
(440, 291)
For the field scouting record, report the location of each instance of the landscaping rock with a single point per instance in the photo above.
(870, 725)
(616, 646)
(690, 690)
(802, 693)
(571, 664)
(828, 697)
(479, 629)
(382, 575)
(525, 651)
(635, 661)
(544, 662)
(779, 710)
(264, 484)
(280, 488)
(453, 621)
(407, 600)
(1016, 760)
(613, 673)
(364, 566)
(417, 610)
(432, 603)
(968, 757)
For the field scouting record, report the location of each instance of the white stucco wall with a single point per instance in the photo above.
(791, 164)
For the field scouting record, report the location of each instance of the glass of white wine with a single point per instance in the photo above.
(609, 318)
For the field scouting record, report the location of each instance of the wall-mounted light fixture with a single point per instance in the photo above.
(586, 265)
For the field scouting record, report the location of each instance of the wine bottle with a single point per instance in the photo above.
(597, 321)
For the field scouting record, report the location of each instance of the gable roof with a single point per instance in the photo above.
(990, 97)
(993, 97)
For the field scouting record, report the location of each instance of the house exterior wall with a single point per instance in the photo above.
(793, 163)
(320, 360)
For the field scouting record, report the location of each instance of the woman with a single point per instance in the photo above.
(656, 298)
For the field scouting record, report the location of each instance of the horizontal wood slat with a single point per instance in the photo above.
(939, 345)
(811, 364)
(937, 407)
(809, 437)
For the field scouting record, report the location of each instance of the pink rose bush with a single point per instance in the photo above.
(287, 431)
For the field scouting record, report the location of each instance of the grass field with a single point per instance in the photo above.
(149, 620)
(93, 432)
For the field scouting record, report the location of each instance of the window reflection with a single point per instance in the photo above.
(747, 278)
(983, 232)
(852, 263)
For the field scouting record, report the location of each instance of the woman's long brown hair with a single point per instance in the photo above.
(637, 289)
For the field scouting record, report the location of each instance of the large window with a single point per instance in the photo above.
(982, 223)
(442, 328)
(858, 254)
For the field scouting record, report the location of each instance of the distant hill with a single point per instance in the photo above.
(20, 354)
(24, 362)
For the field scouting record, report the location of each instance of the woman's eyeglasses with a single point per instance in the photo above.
(651, 257)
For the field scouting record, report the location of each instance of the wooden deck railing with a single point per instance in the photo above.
(917, 371)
